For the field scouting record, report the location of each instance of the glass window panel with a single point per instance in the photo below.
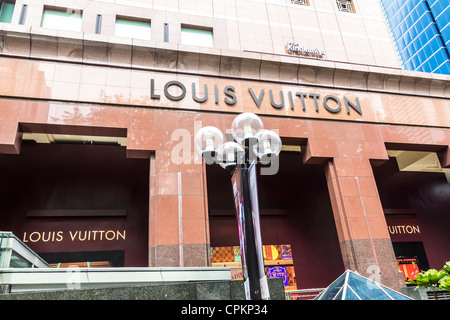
(429, 34)
(434, 63)
(6, 12)
(395, 295)
(423, 40)
(442, 20)
(416, 45)
(133, 29)
(334, 288)
(408, 37)
(421, 68)
(366, 289)
(428, 51)
(414, 28)
(445, 69)
(442, 55)
(415, 62)
(446, 31)
(406, 57)
(421, 56)
(339, 295)
(18, 261)
(401, 44)
(350, 295)
(397, 33)
(435, 45)
(409, 65)
(197, 37)
(69, 20)
(415, 14)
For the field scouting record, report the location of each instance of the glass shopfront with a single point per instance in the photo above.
(415, 199)
(298, 231)
(73, 202)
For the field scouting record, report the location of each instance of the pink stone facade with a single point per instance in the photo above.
(53, 82)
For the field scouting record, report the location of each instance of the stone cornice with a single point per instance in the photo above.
(72, 47)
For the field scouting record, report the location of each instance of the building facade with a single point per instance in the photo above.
(100, 101)
(421, 32)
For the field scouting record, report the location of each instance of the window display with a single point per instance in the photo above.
(278, 262)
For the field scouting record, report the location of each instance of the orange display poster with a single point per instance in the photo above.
(292, 284)
(409, 268)
(226, 256)
(278, 272)
(286, 251)
(287, 273)
(271, 252)
(236, 274)
(237, 253)
(222, 254)
(277, 254)
(278, 262)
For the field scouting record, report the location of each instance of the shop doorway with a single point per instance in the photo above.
(88, 259)
(412, 250)
(75, 199)
(415, 194)
(297, 223)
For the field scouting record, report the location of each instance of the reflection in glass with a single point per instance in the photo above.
(19, 262)
(197, 37)
(6, 12)
(69, 20)
(133, 29)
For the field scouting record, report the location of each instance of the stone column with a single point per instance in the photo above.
(10, 137)
(178, 214)
(347, 151)
(164, 220)
(361, 226)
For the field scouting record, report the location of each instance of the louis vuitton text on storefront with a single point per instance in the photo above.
(331, 103)
(403, 229)
(89, 235)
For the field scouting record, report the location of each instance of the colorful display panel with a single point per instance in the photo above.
(278, 262)
(409, 268)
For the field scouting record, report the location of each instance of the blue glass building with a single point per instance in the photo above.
(421, 32)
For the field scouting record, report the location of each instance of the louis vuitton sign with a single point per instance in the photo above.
(74, 236)
(279, 99)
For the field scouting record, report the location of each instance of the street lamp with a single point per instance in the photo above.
(245, 127)
(268, 145)
(207, 140)
(252, 142)
(230, 154)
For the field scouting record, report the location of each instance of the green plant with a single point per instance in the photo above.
(434, 278)
(444, 283)
(447, 267)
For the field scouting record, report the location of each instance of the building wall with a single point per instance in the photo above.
(344, 116)
(440, 10)
(295, 209)
(420, 31)
(59, 197)
(247, 26)
(419, 200)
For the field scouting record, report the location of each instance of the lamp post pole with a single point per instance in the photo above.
(240, 159)
(251, 248)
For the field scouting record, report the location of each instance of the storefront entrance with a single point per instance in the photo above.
(297, 225)
(77, 203)
(415, 195)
